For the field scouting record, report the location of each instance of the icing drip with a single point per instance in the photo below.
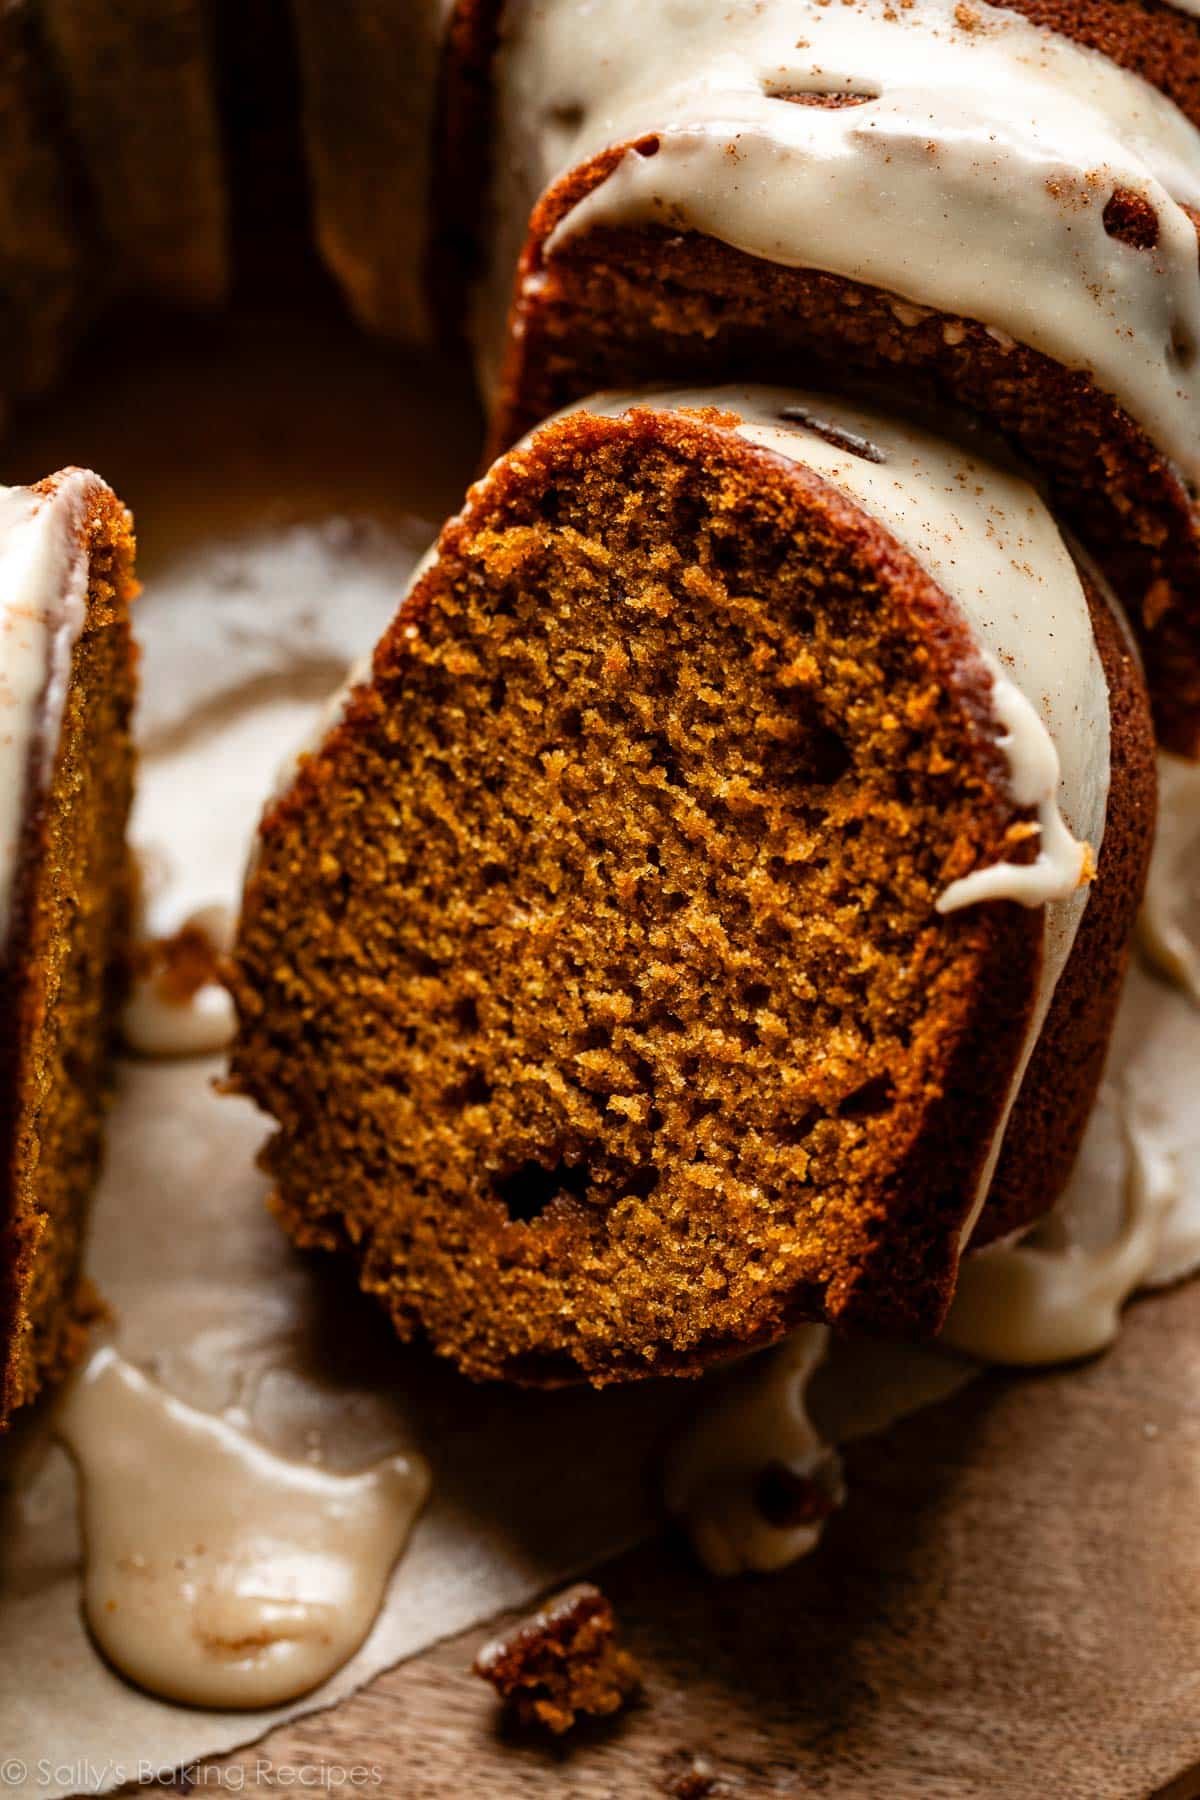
(755, 1477)
(980, 144)
(1062, 864)
(217, 1573)
(1170, 923)
(1052, 1296)
(720, 1476)
(43, 602)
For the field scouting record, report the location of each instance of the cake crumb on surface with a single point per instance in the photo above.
(562, 1662)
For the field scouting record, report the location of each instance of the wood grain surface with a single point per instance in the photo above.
(1008, 1605)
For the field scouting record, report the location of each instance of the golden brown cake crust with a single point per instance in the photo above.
(1156, 40)
(458, 1138)
(62, 979)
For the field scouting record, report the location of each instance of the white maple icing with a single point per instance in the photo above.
(789, 1409)
(1169, 928)
(972, 178)
(1128, 1218)
(218, 1573)
(1054, 1295)
(43, 605)
(759, 1422)
(152, 1025)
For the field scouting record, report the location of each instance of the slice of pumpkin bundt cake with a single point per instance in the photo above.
(660, 945)
(67, 666)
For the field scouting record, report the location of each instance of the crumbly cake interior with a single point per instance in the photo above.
(70, 971)
(591, 970)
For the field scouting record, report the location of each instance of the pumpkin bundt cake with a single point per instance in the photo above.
(66, 773)
(657, 949)
(992, 209)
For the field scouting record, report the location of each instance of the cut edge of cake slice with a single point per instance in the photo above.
(67, 687)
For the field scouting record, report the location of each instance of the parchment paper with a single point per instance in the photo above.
(284, 479)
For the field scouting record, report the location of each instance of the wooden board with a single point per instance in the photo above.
(1008, 1606)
